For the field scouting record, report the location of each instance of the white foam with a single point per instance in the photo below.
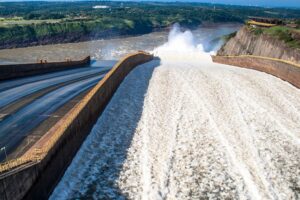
(193, 132)
(181, 46)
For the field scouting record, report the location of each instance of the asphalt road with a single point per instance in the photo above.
(27, 104)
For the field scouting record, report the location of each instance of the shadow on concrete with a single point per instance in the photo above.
(95, 169)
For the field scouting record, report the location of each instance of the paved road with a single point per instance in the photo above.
(28, 103)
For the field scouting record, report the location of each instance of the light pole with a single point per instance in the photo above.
(4, 149)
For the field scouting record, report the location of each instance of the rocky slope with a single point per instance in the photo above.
(246, 42)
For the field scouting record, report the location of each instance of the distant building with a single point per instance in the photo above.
(101, 7)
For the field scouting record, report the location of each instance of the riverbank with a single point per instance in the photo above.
(113, 49)
(75, 37)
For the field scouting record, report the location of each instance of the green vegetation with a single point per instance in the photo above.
(31, 23)
(282, 33)
(229, 36)
(298, 23)
(10, 22)
(257, 31)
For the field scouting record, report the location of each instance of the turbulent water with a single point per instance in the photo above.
(190, 129)
(112, 48)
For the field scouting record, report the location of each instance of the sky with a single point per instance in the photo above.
(263, 3)
(271, 3)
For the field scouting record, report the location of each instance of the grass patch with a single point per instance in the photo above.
(257, 31)
(280, 32)
(18, 21)
(229, 36)
(284, 34)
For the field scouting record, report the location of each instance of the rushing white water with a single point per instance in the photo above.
(181, 46)
(185, 128)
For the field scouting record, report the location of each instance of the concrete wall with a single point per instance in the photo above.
(284, 71)
(37, 180)
(22, 70)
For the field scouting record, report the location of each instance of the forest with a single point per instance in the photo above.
(35, 23)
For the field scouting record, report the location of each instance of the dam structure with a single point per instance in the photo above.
(11, 71)
(262, 52)
(183, 127)
(169, 124)
(34, 171)
(180, 130)
(30, 105)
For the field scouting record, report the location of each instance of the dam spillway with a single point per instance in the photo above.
(179, 127)
(34, 174)
(30, 106)
(191, 130)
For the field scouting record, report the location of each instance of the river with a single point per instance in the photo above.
(111, 49)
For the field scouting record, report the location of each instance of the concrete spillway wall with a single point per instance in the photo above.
(37, 179)
(22, 70)
(284, 70)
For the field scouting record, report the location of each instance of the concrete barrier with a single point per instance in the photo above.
(23, 70)
(56, 149)
(282, 69)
